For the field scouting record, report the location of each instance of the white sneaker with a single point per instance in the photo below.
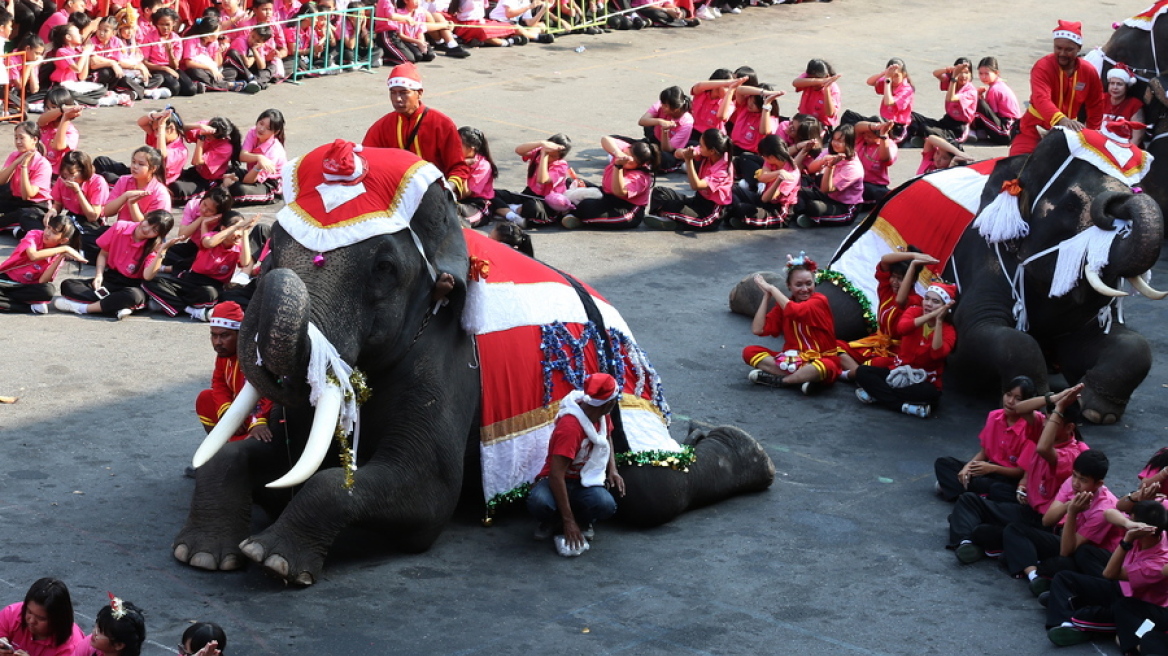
(704, 13)
(123, 313)
(736, 10)
(39, 308)
(716, 12)
(864, 396)
(65, 305)
(198, 314)
(915, 410)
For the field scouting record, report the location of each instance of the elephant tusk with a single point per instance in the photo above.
(1098, 285)
(238, 411)
(1140, 285)
(324, 426)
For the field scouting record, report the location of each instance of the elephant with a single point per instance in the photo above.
(1038, 286)
(415, 306)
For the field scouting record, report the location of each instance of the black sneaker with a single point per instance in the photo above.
(545, 38)
(458, 52)
(1044, 599)
(519, 40)
(969, 553)
(760, 377)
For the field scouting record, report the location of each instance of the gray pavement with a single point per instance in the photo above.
(843, 555)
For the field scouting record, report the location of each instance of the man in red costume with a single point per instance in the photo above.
(227, 379)
(1061, 84)
(426, 132)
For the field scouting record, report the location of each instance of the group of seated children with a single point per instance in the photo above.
(1034, 497)
(118, 215)
(899, 367)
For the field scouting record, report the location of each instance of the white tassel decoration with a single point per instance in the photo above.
(1002, 219)
(1092, 246)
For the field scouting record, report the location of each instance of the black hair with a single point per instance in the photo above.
(222, 199)
(165, 12)
(848, 131)
(149, 5)
(57, 36)
(31, 41)
(963, 60)
(129, 629)
(112, 21)
(772, 146)
(1159, 459)
(80, 20)
(474, 139)
(1093, 464)
(264, 32)
(79, 161)
(307, 8)
(226, 130)
(722, 74)
(154, 158)
(256, 3)
(903, 69)
(1025, 384)
(201, 633)
(819, 68)
(33, 130)
(515, 237)
(989, 62)
(275, 121)
(66, 225)
(212, 12)
(900, 268)
(798, 267)
(767, 88)
(810, 129)
(748, 73)
(716, 140)
(229, 219)
(560, 139)
(1152, 513)
(54, 596)
(58, 97)
(649, 155)
(163, 221)
(5, 16)
(675, 97)
(204, 26)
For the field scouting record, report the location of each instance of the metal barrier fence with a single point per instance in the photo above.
(355, 23)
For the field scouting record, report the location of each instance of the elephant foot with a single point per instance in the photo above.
(291, 564)
(1099, 409)
(205, 552)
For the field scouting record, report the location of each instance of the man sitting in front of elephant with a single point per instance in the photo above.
(227, 379)
(581, 464)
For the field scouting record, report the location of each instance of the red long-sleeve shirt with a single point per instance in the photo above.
(437, 141)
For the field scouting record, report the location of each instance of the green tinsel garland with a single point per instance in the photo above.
(840, 280)
(517, 494)
(678, 460)
(362, 393)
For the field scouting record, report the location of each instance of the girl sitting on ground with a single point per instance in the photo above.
(710, 176)
(627, 185)
(30, 270)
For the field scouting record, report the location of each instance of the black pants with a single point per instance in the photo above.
(753, 212)
(531, 207)
(235, 61)
(124, 293)
(821, 208)
(669, 161)
(874, 192)
(90, 232)
(190, 183)
(874, 381)
(19, 298)
(1029, 546)
(746, 164)
(695, 211)
(15, 210)
(179, 85)
(609, 213)
(1085, 598)
(999, 130)
(994, 486)
(256, 193)
(133, 87)
(110, 169)
(983, 521)
(1129, 614)
(174, 292)
(945, 127)
(400, 52)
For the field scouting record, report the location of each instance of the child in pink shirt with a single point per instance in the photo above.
(708, 107)
(960, 104)
(164, 55)
(474, 207)
(877, 151)
(58, 133)
(841, 183)
(34, 263)
(548, 176)
(216, 153)
(710, 175)
(766, 199)
(220, 252)
(998, 110)
(896, 92)
(668, 125)
(262, 153)
(80, 194)
(626, 187)
(26, 178)
(756, 115)
(820, 93)
(940, 153)
(142, 190)
(202, 57)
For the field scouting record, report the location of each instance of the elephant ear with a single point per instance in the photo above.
(436, 224)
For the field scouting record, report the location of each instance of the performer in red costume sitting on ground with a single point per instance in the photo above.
(227, 379)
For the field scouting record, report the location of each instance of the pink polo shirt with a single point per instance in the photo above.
(719, 177)
(72, 139)
(1145, 573)
(1042, 481)
(746, 133)
(813, 101)
(63, 68)
(902, 98)
(272, 149)
(964, 107)
(875, 170)
(681, 133)
(11, 628)
(203, 53)
(557, 175)
(638, 183)
(159, 52)
(1003, 443)
(848, 178)
(123, 253)
(218, 262)
(19, 267)
(1002, 100)
(96, 189)
(175, 157)
(1090, 523)
(705, 111)
(157, 196)
(481, 184)
(56, 18)
(124, 53)
(40, 174)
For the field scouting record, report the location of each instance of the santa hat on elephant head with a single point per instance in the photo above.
(343, 164)
(227, 315)
(405, 76)
(600, 389)
(1121, 130)
(1069, 30)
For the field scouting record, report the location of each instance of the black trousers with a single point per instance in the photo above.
(179, 85)
(124, 293)
(176, 292)
(1129, 614)
(999, 130)
(1084, 599)
(995, 486)
(831, 212)
(532, 208)
(945, 127)
(609, 213)
(15, 210)
(874, 381)
(983, 521)
(1030, 546)
(256, 193)
(190, 183)
(235, 61)
(19, 298)
(695, 211)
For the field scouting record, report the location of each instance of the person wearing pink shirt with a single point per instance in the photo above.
(43, 624)
(59, 17)
(625, 189)
(766, 198)
(131, 253)
(877, 151)
(202, 58)
(668, 125)
(164, 55)
(142, 190)
(711, 175)
(248, 58)
(220, 252)
(59, 135)
(30, 270)
(475, 206)
(275, 49)
(820, 94)
(940, 153)
(840, 189)
(216, 153)
(119, 629)
(998, 110)
(895, 88)
(708, 107)
(1087, 538)
(160, 127)
(756, 115)
(25, 181)
(542, 201)
(262, 154)
(961, 98)
(1080, 607)
(80, 195)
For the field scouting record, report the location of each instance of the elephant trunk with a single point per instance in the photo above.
(1135, 252)
(273, 340)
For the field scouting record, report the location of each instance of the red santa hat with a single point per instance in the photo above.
(227, 315)
(342, 164)
(1121, 130)
(600, 389)
(1122, 73)
(947, 291)
(405, 75)
(1069, 30)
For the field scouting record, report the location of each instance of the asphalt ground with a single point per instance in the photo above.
(843, 555)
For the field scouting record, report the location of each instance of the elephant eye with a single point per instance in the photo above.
(385, 265)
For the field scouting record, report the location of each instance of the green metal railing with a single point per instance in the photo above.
(334, 58)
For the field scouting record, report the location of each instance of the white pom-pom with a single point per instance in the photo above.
(1001, 220)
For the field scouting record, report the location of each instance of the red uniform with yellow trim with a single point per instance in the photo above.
(437, 141)
(806, 327)
(226, 381)
(878, 349)
(1054, 95)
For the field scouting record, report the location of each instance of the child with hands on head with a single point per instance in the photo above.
(820, 93)
(809, 360)
(897, 94)
(756, 115)
(625, 189)
(220, 253)
(877, 151)
(201, 215)
(840, 188)
(766, 201)
(80, 196)
(710, 176)
(668, 125)
(475, 206)
(548, 176)
(204, 639)
(30, 270)
(216, 153)
(961, 98)
(58, 133)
